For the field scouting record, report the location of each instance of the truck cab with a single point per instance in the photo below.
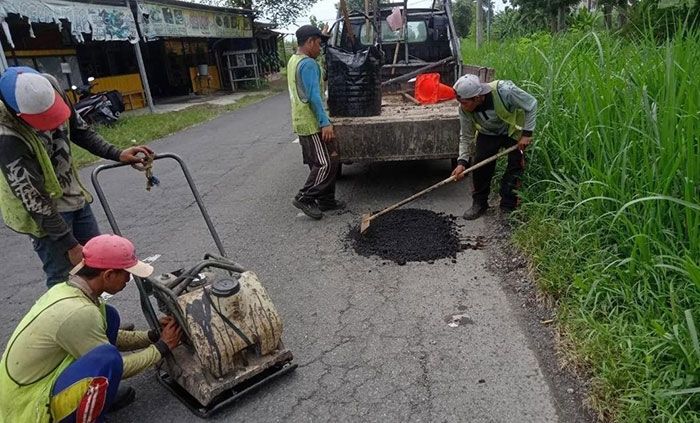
(427, 36)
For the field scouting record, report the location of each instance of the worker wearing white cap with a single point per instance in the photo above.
(492, 116)
(41, 194)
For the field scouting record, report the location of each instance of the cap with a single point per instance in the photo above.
(306, 31)
(112, 252)
(32, 97)
(469, 86)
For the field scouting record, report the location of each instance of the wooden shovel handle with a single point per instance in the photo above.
(441, 183)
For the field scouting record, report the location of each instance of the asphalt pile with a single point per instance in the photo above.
(408, 235)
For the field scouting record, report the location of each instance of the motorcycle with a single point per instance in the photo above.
(101, 108)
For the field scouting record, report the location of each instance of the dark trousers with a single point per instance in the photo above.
(54, 259)
(487, 146)
(86, 388)
(323, 161)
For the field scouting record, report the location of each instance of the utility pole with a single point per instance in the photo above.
(489, 18)
(142, 68)
(479, 23)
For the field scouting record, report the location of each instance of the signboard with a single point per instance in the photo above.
(102, 21)
(158, 20)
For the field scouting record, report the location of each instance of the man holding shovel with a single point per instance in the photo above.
(501, 115)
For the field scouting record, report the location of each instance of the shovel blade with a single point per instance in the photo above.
(364, 225)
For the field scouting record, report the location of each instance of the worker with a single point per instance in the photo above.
(62, 363)
(498, 115)
(312, 125)
(41, 194)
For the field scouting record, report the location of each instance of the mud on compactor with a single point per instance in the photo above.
(232, 333)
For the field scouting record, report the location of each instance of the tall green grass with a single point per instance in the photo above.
(612, 211)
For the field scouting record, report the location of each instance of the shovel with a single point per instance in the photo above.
(367, 218)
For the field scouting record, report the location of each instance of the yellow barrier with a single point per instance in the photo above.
(128, 85)
(204, 85)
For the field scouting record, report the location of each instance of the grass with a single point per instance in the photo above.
(612, 212)
(142, 129)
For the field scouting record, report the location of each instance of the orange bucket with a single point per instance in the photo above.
(429, 90)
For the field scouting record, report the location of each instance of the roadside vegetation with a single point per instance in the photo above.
(142, 129)
(612, 212)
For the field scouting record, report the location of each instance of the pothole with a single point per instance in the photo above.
(410, 235)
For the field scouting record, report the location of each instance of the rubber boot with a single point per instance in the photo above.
(475, 212)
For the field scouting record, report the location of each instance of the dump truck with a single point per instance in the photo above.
(404, 129)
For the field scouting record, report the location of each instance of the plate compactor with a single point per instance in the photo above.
(232, 333)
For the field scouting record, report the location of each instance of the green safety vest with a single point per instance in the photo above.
(13, 211)
(515, 120)
(304, 121)
(30, 403)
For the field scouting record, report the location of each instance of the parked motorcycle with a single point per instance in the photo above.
(101, 108)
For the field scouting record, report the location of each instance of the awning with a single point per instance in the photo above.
(174, 20)
(104, 22)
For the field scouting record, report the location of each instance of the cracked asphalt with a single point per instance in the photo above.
(371, 338)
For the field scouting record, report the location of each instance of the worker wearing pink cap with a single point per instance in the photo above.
(40, 192)
(63, 361)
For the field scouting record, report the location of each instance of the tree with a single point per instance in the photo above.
(554, 10)
(315, 22)
(462, 14)
(359, 5)
(282, 12)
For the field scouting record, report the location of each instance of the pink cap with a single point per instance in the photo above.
(112, 252)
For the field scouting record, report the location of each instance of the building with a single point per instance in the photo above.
(186, 47)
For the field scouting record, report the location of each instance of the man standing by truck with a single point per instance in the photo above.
(311, 123)
(501, 115)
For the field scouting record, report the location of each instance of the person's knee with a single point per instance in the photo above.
(88, 384)
(109, 355)
(113, 323)
(112, 315)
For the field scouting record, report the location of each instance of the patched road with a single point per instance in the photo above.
(374, 341)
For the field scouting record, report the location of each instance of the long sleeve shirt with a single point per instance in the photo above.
(20, 167)
(309, 90)
(68, 322)
(65, 324)
(485, 115)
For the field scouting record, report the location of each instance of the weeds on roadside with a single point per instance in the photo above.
(612, 209)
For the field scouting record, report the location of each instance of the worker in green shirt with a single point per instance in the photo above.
(63, 361)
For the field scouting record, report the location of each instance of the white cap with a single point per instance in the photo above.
(469, 86)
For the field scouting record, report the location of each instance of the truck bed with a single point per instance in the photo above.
(403, 131)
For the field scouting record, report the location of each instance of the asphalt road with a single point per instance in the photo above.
(370, 337)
